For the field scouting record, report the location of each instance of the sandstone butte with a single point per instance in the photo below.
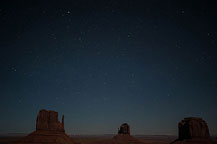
(48, 130)
(193, 130)
(124, 136)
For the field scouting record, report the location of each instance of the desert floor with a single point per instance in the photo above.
(102, 139)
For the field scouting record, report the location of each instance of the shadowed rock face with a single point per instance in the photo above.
(124, 129)
(124, 137)
(48, 130)
(193, 131)
(48, 120)
(193, 128)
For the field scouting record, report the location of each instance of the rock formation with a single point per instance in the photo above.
(124, 129)
(193, 130)
(48, 120)
(124, 136)
(48, 130)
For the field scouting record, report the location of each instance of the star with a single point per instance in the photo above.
(13, 69)
(19, 101)
(182, 11)
(98, 53)
(79, 38)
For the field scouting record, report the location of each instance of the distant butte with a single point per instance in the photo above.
(124, 136)
(193, 130)
(124, 129)
(48, 130)
(48, 120)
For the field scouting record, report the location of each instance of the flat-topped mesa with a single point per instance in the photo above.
(193, 127)
(124, 129)
(48, 120)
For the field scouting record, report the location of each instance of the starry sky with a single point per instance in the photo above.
(102, 63)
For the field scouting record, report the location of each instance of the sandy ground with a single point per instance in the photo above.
(145, 139)
(103, 139)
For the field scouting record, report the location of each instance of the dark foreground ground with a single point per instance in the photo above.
(108, 140)
(105, 139)
(101, 139)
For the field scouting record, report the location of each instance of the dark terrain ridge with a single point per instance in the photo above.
(50, 131)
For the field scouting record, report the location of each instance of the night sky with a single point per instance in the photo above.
(102, 63)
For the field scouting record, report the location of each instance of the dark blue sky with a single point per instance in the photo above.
(103, 63)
